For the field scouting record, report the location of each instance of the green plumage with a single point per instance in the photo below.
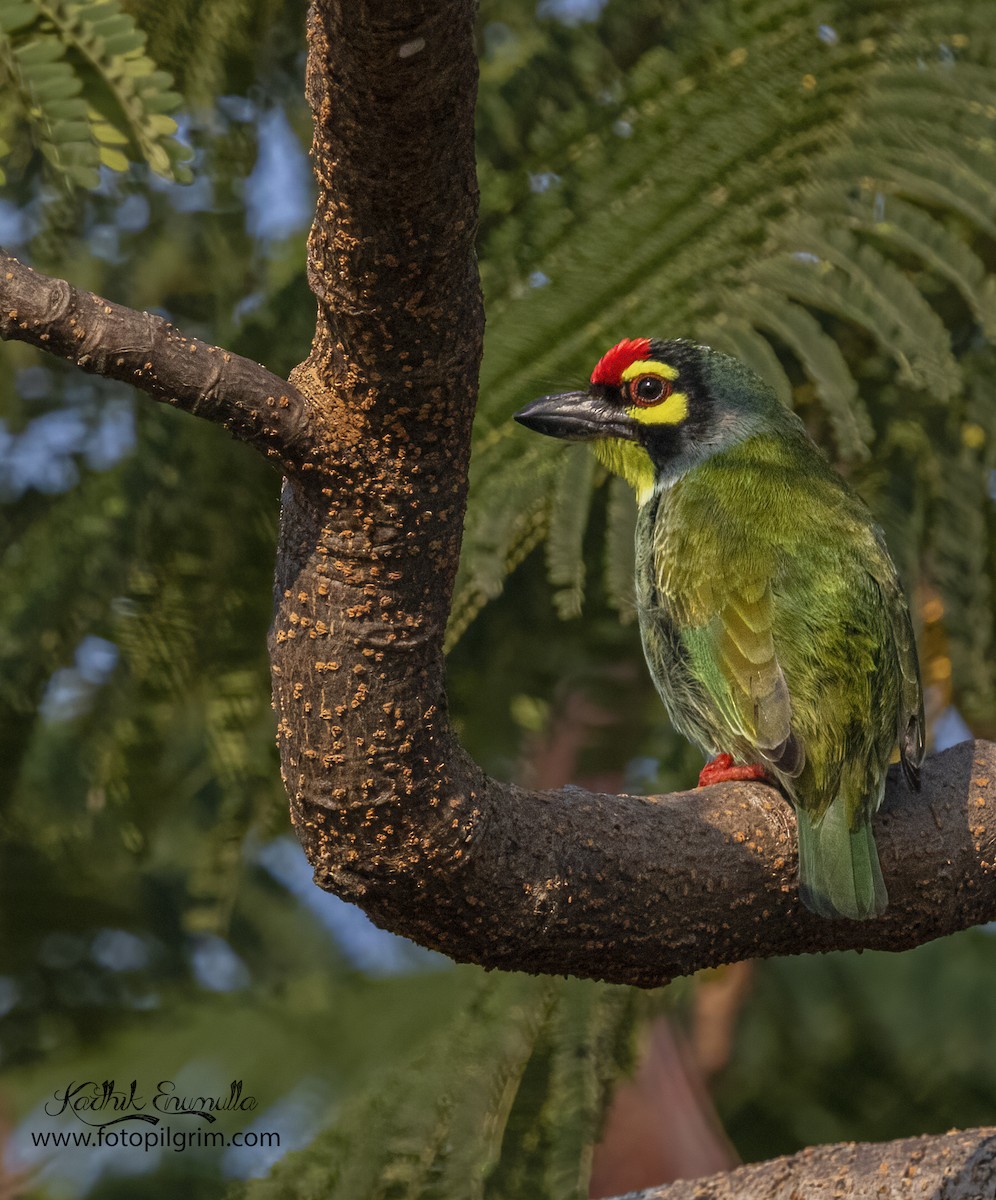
(772, 618)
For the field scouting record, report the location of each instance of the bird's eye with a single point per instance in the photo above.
(649, 389)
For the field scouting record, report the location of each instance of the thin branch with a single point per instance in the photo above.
(149, 353)
(960, 1165)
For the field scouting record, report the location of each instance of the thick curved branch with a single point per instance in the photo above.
(149, 353)
(392, 813)
(390, 810)
(954, 1166)
(640, 890)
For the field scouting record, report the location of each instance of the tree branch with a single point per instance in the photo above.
(640, 890)
(391, 812)
(149, 353)
(954, 1166)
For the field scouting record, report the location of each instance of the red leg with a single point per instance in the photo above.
(721, 770)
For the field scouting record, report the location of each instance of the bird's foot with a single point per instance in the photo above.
(721, 769)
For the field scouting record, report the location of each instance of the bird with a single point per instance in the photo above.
(772, 618)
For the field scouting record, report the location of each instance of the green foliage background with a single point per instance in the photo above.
(811, 186)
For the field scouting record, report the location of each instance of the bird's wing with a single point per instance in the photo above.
(733, 656)
(910, 725)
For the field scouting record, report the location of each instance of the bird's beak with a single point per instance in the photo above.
(576, 416)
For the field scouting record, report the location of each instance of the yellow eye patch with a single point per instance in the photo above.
(670, 411)
(634, 370)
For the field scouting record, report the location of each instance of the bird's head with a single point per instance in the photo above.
(654, 409)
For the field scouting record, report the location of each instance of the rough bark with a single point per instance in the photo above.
(953, 1166)
(374, 438)
(149, 353)
(639, 890)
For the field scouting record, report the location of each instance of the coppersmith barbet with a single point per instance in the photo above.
(772, 618)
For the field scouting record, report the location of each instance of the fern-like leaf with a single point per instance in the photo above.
(87, 93)
(812, 204)
(434, 1130)
(568, 520)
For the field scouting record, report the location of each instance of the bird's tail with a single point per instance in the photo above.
(839, 872)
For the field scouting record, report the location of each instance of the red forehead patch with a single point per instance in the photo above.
(610, 366)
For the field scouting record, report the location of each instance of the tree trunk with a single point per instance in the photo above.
(374, 438)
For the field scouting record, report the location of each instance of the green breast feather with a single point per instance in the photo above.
(776, 630)
(771, 615)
